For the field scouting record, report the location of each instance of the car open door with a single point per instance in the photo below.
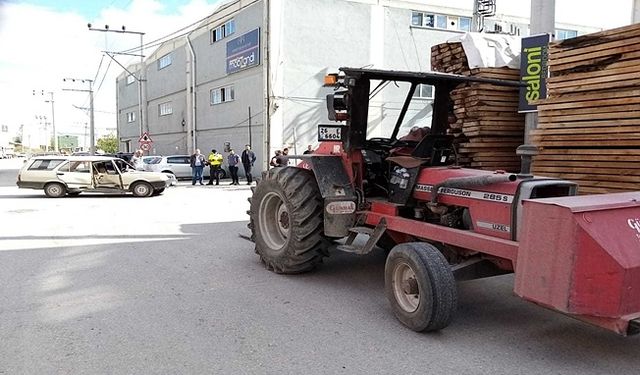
(106, 175)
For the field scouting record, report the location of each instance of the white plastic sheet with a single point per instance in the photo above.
(490, 50)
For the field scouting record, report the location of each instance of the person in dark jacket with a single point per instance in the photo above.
(197, 162)
(232, 160)
(248, 158)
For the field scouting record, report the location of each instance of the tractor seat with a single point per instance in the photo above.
(436, 148)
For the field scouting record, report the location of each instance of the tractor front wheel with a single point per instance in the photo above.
(420, 286)
(286, 221)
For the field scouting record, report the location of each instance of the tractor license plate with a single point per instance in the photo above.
(330, 133)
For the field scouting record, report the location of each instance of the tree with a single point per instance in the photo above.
(108, 144)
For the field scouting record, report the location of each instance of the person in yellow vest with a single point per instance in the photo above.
(215, 163)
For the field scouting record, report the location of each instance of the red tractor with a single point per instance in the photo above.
(579, 255)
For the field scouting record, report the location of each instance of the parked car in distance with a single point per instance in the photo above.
(71, 175)
(178, 165)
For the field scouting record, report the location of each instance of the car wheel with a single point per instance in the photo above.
(141, 189)
(55, 190)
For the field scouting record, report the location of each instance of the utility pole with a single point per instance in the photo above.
(543, 20)
(92, 127)
(53, 118)
(142, 113)
(635, 11)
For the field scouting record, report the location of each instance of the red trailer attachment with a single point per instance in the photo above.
(581, 256)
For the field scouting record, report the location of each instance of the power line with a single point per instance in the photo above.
(103, 77)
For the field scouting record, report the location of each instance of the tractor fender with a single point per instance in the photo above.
(338, 193)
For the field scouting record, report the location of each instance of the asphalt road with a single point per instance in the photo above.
(116, 285)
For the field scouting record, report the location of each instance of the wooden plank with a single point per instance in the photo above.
(603, 45)
(589, 191)
(584, 97)
(578, 86)
(595, 110)
(613, 69)
(611, 131)
(548, 122)
(594, 38)
(600, 177)
(595, 52)
(592, 164)
(586, 170)
(591, 117)
(592, 64)
(590, 143)
(589, 104)
(592, 152)
(621, 76)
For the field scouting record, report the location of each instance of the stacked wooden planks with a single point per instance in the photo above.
(589, 125)
(487, 125)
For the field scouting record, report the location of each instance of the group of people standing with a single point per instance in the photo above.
(214, 161)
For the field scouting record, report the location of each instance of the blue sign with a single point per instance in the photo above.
(243, 52)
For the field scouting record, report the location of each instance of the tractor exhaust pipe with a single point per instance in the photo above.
(472, 181)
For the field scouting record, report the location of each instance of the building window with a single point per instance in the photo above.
(565, 34)
(423, 92)
(165, 109)
(164, 61)
(130, 79)
(223, 31)
(222, 95)
(440, 21)
(131, 116)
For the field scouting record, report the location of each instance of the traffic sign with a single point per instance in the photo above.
(144, 138)
(145, 146)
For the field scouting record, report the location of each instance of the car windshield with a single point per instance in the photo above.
(152, 159)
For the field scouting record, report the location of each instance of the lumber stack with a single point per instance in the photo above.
(487, 126)
(589, 125)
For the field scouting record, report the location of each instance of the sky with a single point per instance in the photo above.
(44, 41)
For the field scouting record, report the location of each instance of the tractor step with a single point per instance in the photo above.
(361, 230)
(373, 233)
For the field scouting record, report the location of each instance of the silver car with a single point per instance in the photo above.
(177, 165)
(71, 175)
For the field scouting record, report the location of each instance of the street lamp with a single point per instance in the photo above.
(53, 118)
(140, 78)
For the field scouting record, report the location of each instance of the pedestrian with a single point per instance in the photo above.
(215, 163)
(283, 160)
(233, 161)
(197, 162)
(136, 160)
(309, 150)
(274, 160)
(248, 158)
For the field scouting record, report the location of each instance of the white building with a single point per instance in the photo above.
(253, 71)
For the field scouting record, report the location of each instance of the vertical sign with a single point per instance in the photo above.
(533, 71)
(243, 52)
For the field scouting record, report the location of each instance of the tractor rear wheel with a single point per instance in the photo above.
(420, 286)
(286, 221)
